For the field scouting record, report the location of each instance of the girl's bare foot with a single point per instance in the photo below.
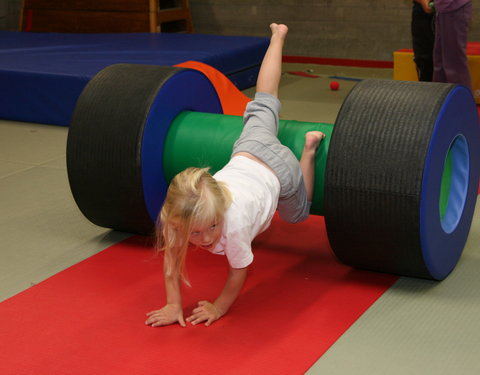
(312, 140)
(279, 31)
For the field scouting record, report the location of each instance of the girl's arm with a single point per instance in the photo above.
(172, 312)
(231, 290)
(172, 289)
(209, 312)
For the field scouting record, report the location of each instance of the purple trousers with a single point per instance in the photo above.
(450, 55)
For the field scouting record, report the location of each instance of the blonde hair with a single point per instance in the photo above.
(194, 197)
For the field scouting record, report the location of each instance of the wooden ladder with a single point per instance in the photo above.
(170, 16)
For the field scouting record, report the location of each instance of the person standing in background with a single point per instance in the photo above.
(453, 19)
(423, 38)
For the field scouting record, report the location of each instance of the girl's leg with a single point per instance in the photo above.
(261, 115)
(307, 160)
(295, 206)
(271, 68)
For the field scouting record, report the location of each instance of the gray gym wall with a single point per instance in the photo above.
(3, 15)
(10, 14)
(353, 29)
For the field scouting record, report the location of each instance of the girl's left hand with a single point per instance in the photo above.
(206, 311)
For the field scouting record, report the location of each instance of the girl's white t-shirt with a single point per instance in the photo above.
(255, 191)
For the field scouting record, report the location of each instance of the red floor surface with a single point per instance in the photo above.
(89, 319)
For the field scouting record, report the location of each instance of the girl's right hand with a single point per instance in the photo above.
(169, 314)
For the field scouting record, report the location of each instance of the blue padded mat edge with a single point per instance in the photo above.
(44, 73)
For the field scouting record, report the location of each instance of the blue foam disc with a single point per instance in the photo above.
(186, 90)
(457, 132)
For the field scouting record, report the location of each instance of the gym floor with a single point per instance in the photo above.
(416, 327)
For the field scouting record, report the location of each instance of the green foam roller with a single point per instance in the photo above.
(446, 185)
(206, 140)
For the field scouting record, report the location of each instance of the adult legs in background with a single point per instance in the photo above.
(423, 39)
(450, 51)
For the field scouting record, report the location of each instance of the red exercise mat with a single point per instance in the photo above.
(89, 319)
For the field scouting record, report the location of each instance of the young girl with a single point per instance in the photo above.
(223, 213)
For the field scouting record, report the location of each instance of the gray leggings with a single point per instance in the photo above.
(259, 138)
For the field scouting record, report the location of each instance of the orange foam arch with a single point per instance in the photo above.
(232, 100)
